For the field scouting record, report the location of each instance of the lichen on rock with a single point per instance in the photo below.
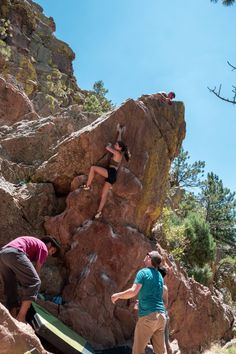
(36, 58)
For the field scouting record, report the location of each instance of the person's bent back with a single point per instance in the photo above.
(16, 267)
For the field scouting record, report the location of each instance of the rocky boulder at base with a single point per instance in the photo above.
(17, 337)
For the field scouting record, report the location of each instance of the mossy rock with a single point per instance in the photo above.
(78, 98)
(4, 8)
(52, 102)
(26, 10)
(64, 48)
(43, 64)
(26, 74)
(145, 203)
(5, 51)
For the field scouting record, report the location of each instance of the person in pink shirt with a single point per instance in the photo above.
(165, 97)
(16, 267)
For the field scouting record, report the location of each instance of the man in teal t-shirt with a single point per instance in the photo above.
(148, 285)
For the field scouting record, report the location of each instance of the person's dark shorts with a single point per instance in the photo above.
(112, 172)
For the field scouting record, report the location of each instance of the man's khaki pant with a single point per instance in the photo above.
(150, 327)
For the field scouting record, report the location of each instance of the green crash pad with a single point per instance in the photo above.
(57, 333)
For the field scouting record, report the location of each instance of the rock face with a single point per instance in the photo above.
(101, 260)
(27, 141)
(153, 135)
(16, 337)
(14, 104)
(43, 162)
(38, 61)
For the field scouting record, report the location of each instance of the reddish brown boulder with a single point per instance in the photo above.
(14, 104)
(39, 155)
(101, 260)
(12, 221)
(153, 133)
(103, 256)
(16, 337)
(31, 143)
(23, 208)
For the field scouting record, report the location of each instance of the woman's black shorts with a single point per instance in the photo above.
(112, 172)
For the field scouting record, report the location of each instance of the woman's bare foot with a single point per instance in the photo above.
(98, 215)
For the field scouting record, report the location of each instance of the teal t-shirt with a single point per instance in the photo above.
(151, 294)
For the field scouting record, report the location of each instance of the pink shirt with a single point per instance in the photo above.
(34, 248)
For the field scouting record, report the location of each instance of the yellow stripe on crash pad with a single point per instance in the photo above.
(63, 331)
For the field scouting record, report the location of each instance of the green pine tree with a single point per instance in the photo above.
(201, 247)
(201, 274)
(92, 104)
(96, 101)
(189, 203)
(220, 205)
(100, 92)
(183, 173)
(99, 89)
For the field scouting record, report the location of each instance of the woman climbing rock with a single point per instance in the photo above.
(118, 151)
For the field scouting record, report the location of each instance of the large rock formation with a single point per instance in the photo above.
(16, 337)
(14, 104)
(34, 58)
(153, 134)
(43, 162)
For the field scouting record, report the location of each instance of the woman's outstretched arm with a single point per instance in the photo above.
(110, 149)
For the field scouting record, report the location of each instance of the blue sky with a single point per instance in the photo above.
(139, 47)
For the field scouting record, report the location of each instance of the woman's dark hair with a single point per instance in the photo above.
(125, 150)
